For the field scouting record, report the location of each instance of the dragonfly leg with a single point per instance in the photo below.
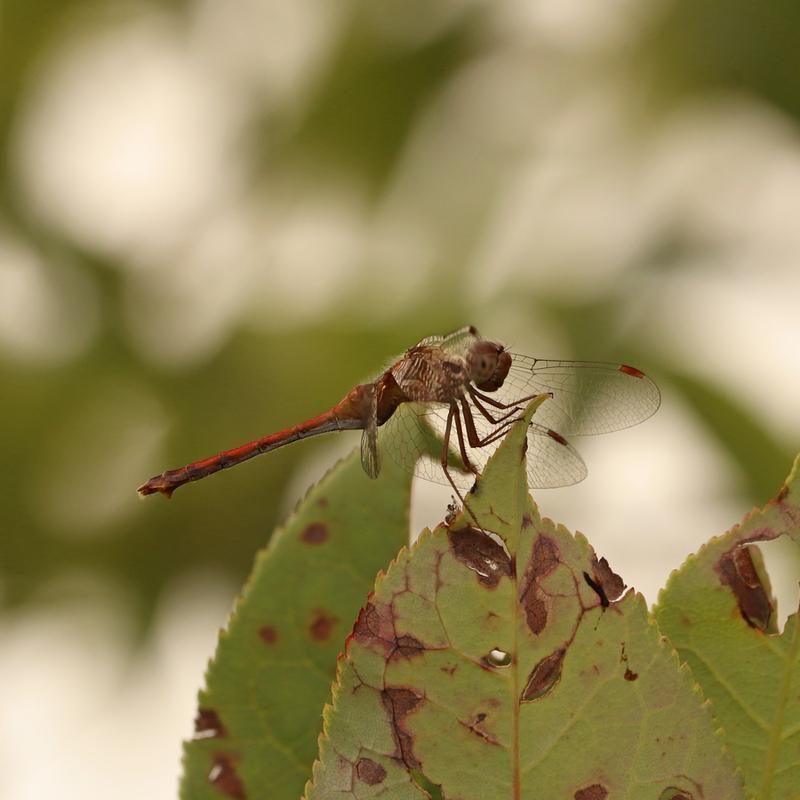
(468, 465)
(497, 404)
(453, 414)
(486, 414)
(446, 451)
(472, 433)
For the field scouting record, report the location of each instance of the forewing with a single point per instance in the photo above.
(455, 343)
(588, 397)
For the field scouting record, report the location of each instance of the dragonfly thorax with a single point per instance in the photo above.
(488, 364)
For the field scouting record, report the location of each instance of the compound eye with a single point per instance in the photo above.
(494, 372)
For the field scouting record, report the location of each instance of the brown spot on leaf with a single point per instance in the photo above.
(224, 778)
(544, 558)
(526, 521)
(535, 611)
(477, 728)
(399, 702)
(268, 634)
(596, 588)
(368, 624)
(321, 625)
(673, 793)
(612, 585)
(737, 570)
(482, 554)
(315, 533)
(374, 628)
(629, 675)
(207, 724)
(369, 771)
(407, 647)
(544, 676)
(594, 792)
(322, 502)
(452, 513)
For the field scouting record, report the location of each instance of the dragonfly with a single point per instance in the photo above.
(469, 391)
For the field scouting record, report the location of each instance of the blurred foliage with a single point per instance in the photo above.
(760, 458)
(363, 109)
(713, 45)
(29, 29)
(368, 101)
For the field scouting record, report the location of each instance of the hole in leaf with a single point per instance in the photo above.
(481, 553)
(207, 724)
(742, 571)
(224, 777)
(673, 793)
(782, 561)
(499, 541)
(498, 658)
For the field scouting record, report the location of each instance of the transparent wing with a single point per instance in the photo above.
(456, 343)
(588, 397)
(370, 460)
(369, 438)
(416, 430)
(412, 438)
(552, 460)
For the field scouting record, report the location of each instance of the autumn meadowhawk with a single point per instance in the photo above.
(468, 391)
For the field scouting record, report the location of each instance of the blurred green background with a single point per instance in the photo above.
(215, 218)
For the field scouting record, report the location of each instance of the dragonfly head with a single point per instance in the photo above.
(488, 364)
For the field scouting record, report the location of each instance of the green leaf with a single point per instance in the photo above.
(481, 670)
(718, 611)
(259, 715)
